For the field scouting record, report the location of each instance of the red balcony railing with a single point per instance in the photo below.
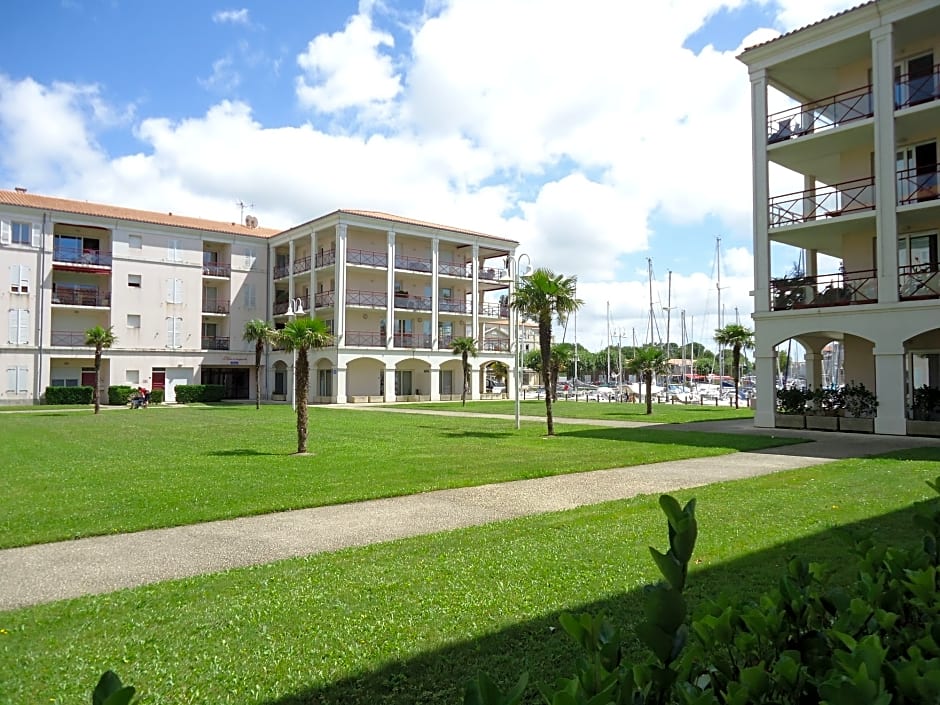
(413, 264)
(74, 255)
(818, 115)
(454, 270)
(918, 184)
(366, 298)
(914, 89)
(361, 338)
(824, 290)
(367, 258)
(822, 202)
(67, 337)
(494, 309)
(326, 258)
(412, 303)
(216, 269)
(215, 306)
(80, 295)
(919, 281)
(214, 342)
(412, 340)
(451, 306)
(496, 345)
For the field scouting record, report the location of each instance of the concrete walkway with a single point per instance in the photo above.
(47, 572)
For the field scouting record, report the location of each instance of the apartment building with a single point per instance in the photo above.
(178, 292)
(849, 171)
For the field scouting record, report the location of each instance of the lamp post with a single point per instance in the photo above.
(517, 277)
(295, 307)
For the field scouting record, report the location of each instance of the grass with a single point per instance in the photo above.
(410, 621)
(662, 413)
(75, 474)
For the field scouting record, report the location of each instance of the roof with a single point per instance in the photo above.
(99, 210)
(378, 215)
(813, 24)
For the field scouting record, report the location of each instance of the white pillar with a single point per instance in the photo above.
(761, 194)
(435, 382)
(474, 381)
(435, 294)
(390, 291)
(339, 307)
(290, 270)
(886, 226)
(477, 296)
(889, 386)
(339, 382)
(313, 274)
(390, 385)
(813, 361)
(766, 362)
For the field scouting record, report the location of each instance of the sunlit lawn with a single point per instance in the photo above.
(410, 621)
(71, 474)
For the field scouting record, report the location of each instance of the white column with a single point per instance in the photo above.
(477, 296)
(474, 381)
(290, 270)
(339, 307)
(886, 225)
(390, 384)
(435, 382)
(765, 359)
(435, 295)
(813, 361)
(390, 293)
(761, 194)
(339, 382)
(889, 386)
(313, 274)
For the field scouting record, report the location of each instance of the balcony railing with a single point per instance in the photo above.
(819, 115)
(281, 271)
(326, 258)
(494, 274)
(366, 298)
(445, 341)
(216, 306)
(919, 281)
(80, 296)
(216, 269)
(918, 184)
(450, 306)
(824, 290)
(412, 303)
(823, 202)
(496, 345)
(454, 270)
(412, 264)
(916, 89)
(73, 255)
(324, 299)
(213, 342)
(494, 310)
(412, 340)
(67, 337)
(363, 338)
(302, 265)
(367, 258)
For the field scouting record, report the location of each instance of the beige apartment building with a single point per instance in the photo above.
(178, 292)
(858, 151)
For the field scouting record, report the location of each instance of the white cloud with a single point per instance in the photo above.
(224, 77)
(231, 16)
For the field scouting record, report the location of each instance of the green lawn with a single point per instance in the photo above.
(662, 413)
(71, 474)
(410, 621)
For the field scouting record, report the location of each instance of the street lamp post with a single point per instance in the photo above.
(295, 307)
(517, 278)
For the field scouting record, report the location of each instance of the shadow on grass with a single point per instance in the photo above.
(237, 452)
(673, 436)
(476, 434)
(542, 648)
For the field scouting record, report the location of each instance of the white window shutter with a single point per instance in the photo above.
(23, 337)
(37, 235)
(169, 290)
(169, 331)
(178, 330)
(14, 276)
(6, 232)
(179, 291)
(14, 325)
(249, 257)
(24, 279)
(11, 379)
(21, 385)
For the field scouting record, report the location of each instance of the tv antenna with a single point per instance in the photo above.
(241, 209)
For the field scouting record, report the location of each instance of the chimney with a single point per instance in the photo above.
(20, 189)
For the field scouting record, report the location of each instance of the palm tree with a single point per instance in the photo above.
(259, 333)
(646, 363)
(545, 295)
(101, 338)
(301, 335)
(736, 337)
(466, 348)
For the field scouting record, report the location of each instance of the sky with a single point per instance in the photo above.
(610, 138)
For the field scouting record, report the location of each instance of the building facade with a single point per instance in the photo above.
(849, 170)
(178, 292)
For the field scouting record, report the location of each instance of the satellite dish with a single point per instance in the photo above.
(251, 221)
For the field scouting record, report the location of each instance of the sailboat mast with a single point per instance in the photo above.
(668, 310)
(721, 349)
(608, 342)
(649, 268)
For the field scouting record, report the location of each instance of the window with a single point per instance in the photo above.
(134, 280)
(17, 382)
(20, 233)
(174, 332)
(250, 257)
(19, 279)
(173, 253)
(19, 326)
(64, 382)
(133, 320)
(132, 377)
(251, 296)
(174, 291)
(135, 242)
(447, 292)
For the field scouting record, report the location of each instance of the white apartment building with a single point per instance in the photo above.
(858, 151)
(178, 292)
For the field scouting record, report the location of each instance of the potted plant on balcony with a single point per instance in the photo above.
(823, 409)
(859, 405)
(791, 408)
(925, 412)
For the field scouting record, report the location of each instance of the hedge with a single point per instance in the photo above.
(120, 394)
(189, 393)
(69, 395)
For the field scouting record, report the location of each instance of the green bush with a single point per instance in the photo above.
(872, 642)
(156, 396)
(189, 393)
(119, 395)
(925, 403)
(69, 395)
(792, 400)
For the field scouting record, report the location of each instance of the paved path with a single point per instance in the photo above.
(55, 571)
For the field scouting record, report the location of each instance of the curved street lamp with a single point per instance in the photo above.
(517, 278)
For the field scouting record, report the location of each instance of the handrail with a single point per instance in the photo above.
(825, 201)
(217, 306)
(80, 295)
(369, 339)
(67, 337)
(412, 340)
(454, 270)
(367, 258)
(824, 290)
(495, 345)
(413, 303)
(213, 342)
(412, 264)
(72, 255)
(918, 184)
(918, 281)
(818, 115)
(302, 265)
(216, 269)
(914, 90)
(366, 298)
(324, 299)
(281, 271)
(452, 306)
(497, 310)
(326, 258)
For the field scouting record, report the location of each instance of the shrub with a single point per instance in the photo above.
(925, 403)
(156, 396)
(189, 393)
(859, 401)
(825, 401)
(119, 395)
(792, 400)
(69, 395)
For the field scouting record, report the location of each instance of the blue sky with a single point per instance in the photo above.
(596, 134)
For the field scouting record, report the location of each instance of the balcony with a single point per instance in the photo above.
(216, 307)
(824, 290)
(80, 295)
(367, 258)
(918, 184)
(324, 259)
(412, 264)
(281, 271)
(450, 306)
(367, 339)
(302, 265)
(324, 299)
(216, 269)
(281, 307)
(919, 281)
(73, 255)
(496, 345)
(213, 342)
(366, 298)
(67, 337)
(454, 270)
(412, 303)
(494, 274)
(494, 310)
(823, 202)
(412, 340)
(916, 89)
(820, 115)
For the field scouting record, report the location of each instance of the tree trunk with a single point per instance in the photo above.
(545, 347)
(300, 395)
(258, 351)
(94, 392)
(466, 379)
(736, 361)
(648, 380)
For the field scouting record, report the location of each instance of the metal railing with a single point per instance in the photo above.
(413, 303)
(367, 258)
(281, 271)
(324, 299)
(445, 341)
(366, 298)
(495, 310)
(217, 306)
(363, 338)
(326, 258)
(80, 296)
(918, 281)
(454, 270)
(280, 307)
(72, 255)
(216, 269)
(494, 274)
(302, 265)
(824, 290)
(213, 342)
(67, 337)
(918, 184)
(823, 202)
(412, 340)
(451, 306)
(913, 90)
(412, 264)
(818, 115)
(495, 345)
